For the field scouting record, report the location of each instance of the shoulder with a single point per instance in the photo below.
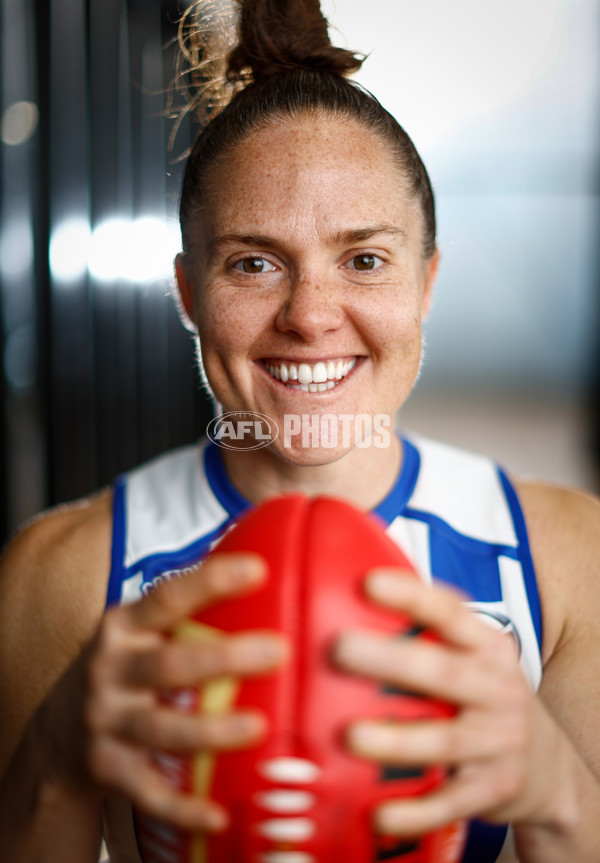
(559, 515)
(53, 578)
(563, 526)
(62, 552)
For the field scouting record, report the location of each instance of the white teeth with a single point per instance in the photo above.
(319, 373)
(304, 373)
(311, 378)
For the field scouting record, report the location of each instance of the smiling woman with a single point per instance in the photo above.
(291, 267)
(307, 269)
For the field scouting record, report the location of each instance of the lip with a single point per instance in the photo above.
(311, 361)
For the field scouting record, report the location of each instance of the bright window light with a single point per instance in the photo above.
(138, 251)
(69, 248)
(109, 250)
(151, 252)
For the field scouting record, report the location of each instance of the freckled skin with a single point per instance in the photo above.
(294, 188)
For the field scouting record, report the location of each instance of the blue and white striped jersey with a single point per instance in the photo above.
(455, 515)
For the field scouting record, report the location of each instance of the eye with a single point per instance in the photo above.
(254, 265)
(364, 263)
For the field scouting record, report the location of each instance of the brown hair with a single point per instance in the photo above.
(283, 65)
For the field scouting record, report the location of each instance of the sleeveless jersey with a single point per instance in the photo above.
(453, 513)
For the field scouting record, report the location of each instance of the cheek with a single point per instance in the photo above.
(222, 323)
(394, 325)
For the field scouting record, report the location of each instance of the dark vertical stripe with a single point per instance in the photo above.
(41, 236)
(72, 465)
(111, 195)
(118, 544)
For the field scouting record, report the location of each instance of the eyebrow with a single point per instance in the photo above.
(359, 235)
(341, 238)
(244, 239)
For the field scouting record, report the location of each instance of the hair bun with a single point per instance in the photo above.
(227, 44)
(279, 35)
(207, 34)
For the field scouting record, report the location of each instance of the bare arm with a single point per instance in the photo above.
(564, 529)
(52, 589)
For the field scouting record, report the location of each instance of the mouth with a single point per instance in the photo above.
(310, 377)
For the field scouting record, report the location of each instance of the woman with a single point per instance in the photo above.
(307, 267)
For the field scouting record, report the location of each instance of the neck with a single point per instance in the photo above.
(363, 477)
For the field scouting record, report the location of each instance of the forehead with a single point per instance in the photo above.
(308, 175)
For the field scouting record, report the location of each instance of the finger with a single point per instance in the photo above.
(422, 667)
(460, 797)
(445, 742)
(129, 772)
(438, 608)
(221, 576)
(164, 728)
(183, 663)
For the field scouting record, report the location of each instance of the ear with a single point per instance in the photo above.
(431, 271)
(185, 296)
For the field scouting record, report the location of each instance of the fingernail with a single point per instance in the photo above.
(381, 583)
(353, 647)
(247, 724)
(214, 820)
(266, 650)
(391, 820)
(245, 567)
(362, 735)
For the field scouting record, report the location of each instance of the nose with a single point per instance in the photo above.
(311, 308)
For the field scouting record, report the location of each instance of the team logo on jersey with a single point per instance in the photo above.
(242, 430)
(499, 621)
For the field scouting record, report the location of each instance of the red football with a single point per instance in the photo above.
(300, 796)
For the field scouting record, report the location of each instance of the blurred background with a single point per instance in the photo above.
(502, 100)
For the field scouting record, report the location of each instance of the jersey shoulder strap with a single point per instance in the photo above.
(463, 525)
(166, 517)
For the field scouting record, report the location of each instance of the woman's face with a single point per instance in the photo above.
(307, 283)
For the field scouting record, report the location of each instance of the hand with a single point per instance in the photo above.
(499, 746)
(104, 719)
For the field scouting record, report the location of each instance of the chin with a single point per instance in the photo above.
(308, 456)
